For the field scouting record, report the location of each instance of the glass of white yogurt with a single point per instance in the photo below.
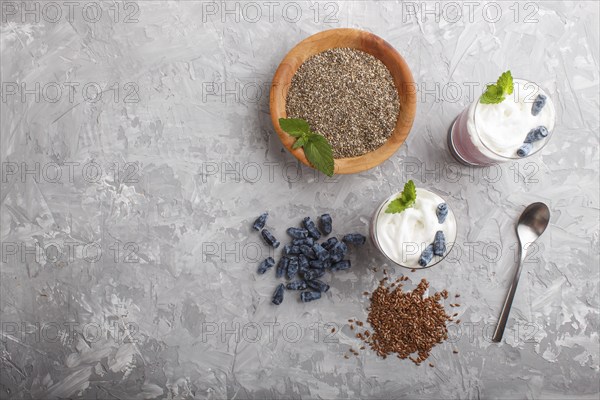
(487, 134)
(402, 237)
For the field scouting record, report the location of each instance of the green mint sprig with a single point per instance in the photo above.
(495, 94)
(316, 147)
(406, 200)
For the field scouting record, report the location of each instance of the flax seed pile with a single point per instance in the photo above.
(405, 323)
(349, 97)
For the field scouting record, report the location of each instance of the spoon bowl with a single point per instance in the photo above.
(532, 223)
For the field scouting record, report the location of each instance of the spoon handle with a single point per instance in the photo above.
(508, 301)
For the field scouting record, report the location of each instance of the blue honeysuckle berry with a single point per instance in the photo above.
(354, 238)
(291, 250)
(338, 252)
(311, 228)
(320, 252)
(297, 285)
(259, 223)
(318, 285)
(305, 297)
(341, 265)
(317, 264)
(292, 269)
(308, 252)
(313, 274)
(439, 244)
(524, 150)
(426, 256)
(307, 241)
(329, 243)
(269, 262)
(278, 294)
(302, 263)
(538, 104)
(537, 133)
(442, 212)
(325, 224)
(282, 267)
(269, 238)
(297, 233)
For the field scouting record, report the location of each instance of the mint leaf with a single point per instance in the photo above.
(492, 95)
(495, 94)
(301, 141)
(406, 200)
(316, 147)
(506, 82)
(319, 154)
(294, 126)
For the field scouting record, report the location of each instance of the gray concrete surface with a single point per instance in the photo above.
(128, 263)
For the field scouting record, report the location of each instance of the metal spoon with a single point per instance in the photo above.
(531, 225)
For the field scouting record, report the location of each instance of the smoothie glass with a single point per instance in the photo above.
(405, 251)
(488, 134)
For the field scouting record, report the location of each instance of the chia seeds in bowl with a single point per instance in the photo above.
(348, 96)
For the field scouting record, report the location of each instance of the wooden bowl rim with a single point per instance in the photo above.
(407, 95)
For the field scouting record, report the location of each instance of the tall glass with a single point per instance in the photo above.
(487, 134)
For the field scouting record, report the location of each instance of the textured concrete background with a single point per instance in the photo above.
(128, 264)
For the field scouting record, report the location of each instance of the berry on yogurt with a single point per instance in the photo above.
(538, 104)
(536, 134)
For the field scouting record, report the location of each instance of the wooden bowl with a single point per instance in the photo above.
(368, 43)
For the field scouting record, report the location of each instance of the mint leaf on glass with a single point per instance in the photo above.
(319, 154)
(406, 200)
(492, 95)
(495, 94)
(294, 126)
(506, 82)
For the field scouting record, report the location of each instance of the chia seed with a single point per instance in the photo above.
(349, 97)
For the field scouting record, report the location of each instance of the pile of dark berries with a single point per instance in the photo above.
(304, 259)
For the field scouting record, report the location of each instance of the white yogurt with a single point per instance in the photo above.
(403, 236)
(498, 130)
